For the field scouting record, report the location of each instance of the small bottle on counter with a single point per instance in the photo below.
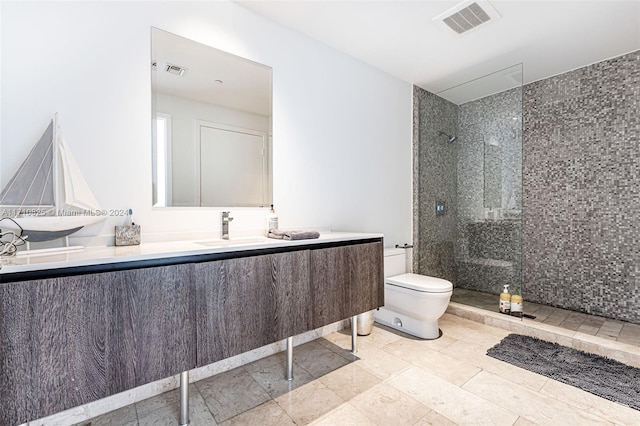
(272, 220)
(517, 303)
(505, 300)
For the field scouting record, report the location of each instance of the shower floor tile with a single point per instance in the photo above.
(619, 331)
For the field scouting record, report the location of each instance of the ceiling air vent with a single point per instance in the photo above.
(174, 69)
(468, 15)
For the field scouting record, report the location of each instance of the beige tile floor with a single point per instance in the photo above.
(394, 379)
(610, 329)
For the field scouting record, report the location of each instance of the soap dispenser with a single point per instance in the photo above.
(505, 300)
(272, 220)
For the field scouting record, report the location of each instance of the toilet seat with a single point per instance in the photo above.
(420, 283)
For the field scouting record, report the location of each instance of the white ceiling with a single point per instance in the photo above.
(399, 37)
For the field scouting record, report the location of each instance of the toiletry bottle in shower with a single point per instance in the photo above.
(516, 303)
(272, 220)
(505, 300)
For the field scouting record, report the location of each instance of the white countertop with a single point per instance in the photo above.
(146, 251)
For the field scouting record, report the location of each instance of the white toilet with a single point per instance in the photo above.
(412, 303)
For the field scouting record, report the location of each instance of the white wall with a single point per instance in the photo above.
(342, 130)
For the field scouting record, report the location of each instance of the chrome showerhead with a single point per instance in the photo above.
(449, 137)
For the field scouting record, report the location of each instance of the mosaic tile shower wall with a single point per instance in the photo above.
(582, 189)
(435, 180)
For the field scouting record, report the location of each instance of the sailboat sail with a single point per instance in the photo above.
(76, 191)
(48, 196)
(32, 185)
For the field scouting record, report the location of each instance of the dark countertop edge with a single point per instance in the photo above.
(168, 261)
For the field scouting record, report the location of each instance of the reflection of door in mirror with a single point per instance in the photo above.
(232, 166)
(194, 84)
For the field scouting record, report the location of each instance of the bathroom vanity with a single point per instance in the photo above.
(78, 327)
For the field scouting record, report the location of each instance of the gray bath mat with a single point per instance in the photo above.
(601, 376)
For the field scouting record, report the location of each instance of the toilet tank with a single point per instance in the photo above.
(395, 262)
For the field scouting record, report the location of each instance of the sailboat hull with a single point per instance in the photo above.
(48, 228)
(40, 236)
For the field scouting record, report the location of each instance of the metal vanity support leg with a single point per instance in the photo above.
(184, 398)
(289, 375)
(354, 333)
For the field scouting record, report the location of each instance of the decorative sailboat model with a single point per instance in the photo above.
(48, 197)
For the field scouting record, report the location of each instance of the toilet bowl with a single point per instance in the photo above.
(413, 303)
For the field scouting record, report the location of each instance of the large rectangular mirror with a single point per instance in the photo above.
(212, 115)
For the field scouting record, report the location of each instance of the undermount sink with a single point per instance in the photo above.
(235, 242)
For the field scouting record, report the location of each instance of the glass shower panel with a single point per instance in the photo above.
(483, 224)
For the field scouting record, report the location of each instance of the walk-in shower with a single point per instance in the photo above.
(477, 244)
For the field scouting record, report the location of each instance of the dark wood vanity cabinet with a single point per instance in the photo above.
(246, 303)
(73, 339)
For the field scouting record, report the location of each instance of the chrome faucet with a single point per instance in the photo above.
(225, 225)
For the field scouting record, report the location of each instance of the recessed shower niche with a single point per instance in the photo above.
(468, 153)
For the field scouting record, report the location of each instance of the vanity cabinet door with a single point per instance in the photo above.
(246, 303)
(68, 341)
(162, 303)
(346, 281)
(128, 328)
(32, 350)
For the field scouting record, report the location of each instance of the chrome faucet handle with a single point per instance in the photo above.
(225, 225)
